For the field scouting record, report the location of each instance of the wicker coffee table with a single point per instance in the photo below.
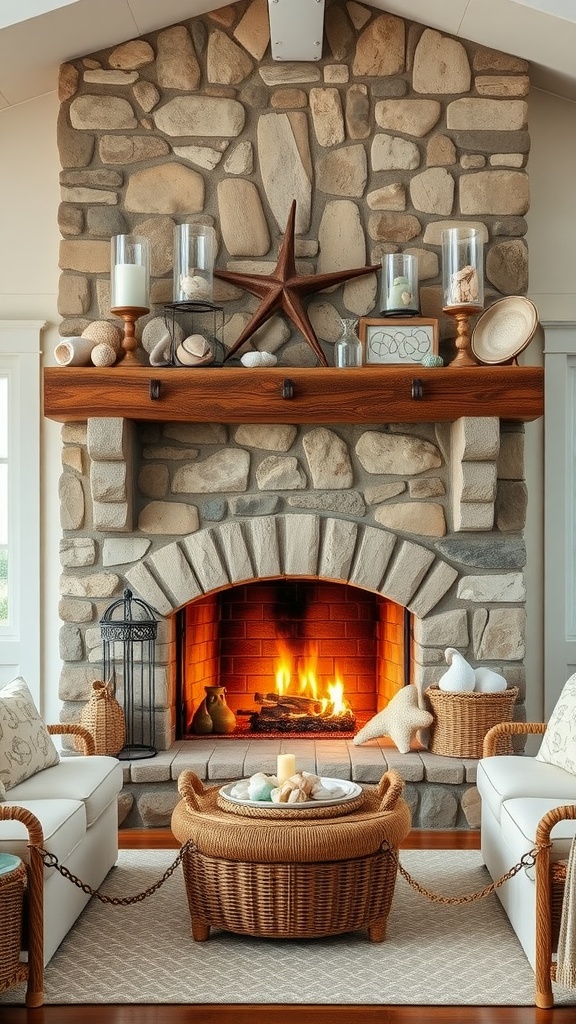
(289, 873)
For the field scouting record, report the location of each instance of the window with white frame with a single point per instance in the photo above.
(20, 500)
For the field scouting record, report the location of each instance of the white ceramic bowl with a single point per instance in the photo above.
(504, 330)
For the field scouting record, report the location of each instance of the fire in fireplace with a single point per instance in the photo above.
(298, 656)
(301, 702)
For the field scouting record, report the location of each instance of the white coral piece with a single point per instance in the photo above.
(258, 359)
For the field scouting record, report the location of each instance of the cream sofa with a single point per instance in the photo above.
(75, 803)
(526, 801)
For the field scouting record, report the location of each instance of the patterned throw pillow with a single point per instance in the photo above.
(26, 746)
(559, 742)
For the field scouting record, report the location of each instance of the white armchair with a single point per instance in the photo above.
(527, 802)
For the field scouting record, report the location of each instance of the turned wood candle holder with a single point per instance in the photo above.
(464, 355)
(129, 314)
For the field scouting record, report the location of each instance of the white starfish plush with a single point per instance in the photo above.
(400, 720)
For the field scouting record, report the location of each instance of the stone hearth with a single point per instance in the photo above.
(440, 791)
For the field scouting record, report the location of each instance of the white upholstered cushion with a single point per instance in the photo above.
(26, 746)
(519, 820)
(94, 780)
(63, 824)
(504, 777)
(559, 741)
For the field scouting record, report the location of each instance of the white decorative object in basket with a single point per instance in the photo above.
(460, 677)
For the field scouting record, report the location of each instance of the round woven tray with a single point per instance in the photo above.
(287, 813)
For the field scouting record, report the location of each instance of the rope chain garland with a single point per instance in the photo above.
(527, 860)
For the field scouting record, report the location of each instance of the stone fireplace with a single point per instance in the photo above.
(218, 488)
(420, 523)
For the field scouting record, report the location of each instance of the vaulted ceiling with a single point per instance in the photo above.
(38, 35)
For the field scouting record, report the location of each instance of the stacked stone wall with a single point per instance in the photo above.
(208, 506)
(396, 133)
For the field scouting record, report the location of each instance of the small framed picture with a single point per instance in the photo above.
(397, 340)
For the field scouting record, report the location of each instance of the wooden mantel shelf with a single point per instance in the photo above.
(369, 394)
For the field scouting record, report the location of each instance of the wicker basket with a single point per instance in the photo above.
(104, 717)
(461, 720)
(280, 879)
(12, 886)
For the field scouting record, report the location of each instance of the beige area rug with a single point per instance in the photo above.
(433, 954)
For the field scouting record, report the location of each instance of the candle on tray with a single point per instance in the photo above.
(285, 767)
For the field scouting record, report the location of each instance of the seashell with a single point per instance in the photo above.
(460, 677)
(103, 355)
(194, 351)
(195, 286)
(160, 354)
(73, 352)
(258, 359)
(103, 332)
(430, 359)
(488, 681)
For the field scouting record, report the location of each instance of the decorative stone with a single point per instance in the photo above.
(86, 257)
(241, 160)
(282, 99)
(72, 457)
(336, 74)
(378, 493)
(440, 65)
(280, 474)
(390, 153)
(77, 551)
(103, 77)
(165, 188)
(389, 197)
(342, 172)
(176, 62)
(473, 114)
(168, 518)
(196, 433)
(67, 82)
(495, 192)
(411, 117)
(341, 237)
(273, 437)
(242, 221)
(328, 459)
(419, 518)
(101, 113)
(286, 166)
(225, 471)
(75, 611)
(71, 497)
(289, 74)
(131, 56)
(153, 480)
(227, 64)
(380, 48)
(344, 502)
(327, 118)
(200, 115)
(123, 550)
(254, 505)
(96, 585)
(433, 191)
(398, 454)
(253, 29)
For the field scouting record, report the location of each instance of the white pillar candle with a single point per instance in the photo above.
(130, 285)
(285, 767)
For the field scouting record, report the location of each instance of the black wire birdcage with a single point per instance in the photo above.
(129, 651)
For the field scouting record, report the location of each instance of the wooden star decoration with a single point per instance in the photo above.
(284, 288)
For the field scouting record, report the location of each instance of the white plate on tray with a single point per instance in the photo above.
(352, 790)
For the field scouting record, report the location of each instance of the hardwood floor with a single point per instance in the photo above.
(244, 1013)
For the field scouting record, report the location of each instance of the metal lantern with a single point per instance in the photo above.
(128, 629)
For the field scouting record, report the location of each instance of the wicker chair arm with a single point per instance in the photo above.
(13, 812)
(390, 789)
(75, 729)
(566, 812)
(493, 736)
(35, 911)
